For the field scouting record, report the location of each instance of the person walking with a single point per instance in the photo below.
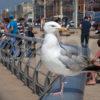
(85, 30)
(20, 25)
(3, 25)
(95, 62)
(66, 21)
(31, 45)
(13, 29)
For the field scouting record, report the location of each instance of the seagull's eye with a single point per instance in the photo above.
(52, 25)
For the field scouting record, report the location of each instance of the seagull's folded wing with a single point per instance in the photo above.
(74, 49)
(72, 63)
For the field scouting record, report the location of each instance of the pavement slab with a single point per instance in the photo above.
(13, 89)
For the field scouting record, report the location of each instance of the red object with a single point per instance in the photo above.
(98, 54)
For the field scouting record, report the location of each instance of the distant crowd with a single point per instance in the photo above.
(21, 27)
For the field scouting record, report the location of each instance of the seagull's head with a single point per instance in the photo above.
(52, 27)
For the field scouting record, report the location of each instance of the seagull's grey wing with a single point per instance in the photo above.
(75, 63)
(75, 57)
(65, 52)
(73, 49)
(64, 61)
(71, 63)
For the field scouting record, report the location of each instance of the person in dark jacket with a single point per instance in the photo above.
(31, 45)
(85, 30)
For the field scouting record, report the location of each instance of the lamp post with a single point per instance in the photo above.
(7, 11)
(75, 14)
(33, 14)
(84, 8)
(61, 10)
(44, 9)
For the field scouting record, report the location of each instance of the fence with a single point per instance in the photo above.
(20, 54)
(23, 61)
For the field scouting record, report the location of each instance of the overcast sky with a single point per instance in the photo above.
(10, 3)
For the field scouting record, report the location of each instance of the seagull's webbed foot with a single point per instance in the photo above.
(60, 92)
(57, 93)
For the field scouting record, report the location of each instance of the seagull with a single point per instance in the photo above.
(61, 59)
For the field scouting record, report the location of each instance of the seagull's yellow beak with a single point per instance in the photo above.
(63, 29)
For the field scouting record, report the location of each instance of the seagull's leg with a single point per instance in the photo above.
(60, 92)
(62, 87)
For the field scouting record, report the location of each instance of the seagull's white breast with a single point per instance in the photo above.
(50, 53)
(50, 48)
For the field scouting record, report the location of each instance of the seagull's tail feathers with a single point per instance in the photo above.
(92, 68)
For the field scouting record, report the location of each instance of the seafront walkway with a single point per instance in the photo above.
(12, 88)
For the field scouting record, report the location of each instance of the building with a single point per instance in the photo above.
(90, 5)
(53, 7)
(69, 8)
(50, 9)
(23, 9)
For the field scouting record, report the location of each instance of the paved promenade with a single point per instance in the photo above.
(92, 92)
(13, 89)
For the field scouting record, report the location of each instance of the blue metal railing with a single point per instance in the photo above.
(30, 69)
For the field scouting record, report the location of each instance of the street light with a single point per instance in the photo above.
(33, 4)
(44, 9)
(75, 14)
(84, 8)
(61, 11)
(7, 10)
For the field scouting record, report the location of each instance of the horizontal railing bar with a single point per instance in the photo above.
(34, 39)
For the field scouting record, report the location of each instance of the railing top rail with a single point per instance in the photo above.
(34, 39)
